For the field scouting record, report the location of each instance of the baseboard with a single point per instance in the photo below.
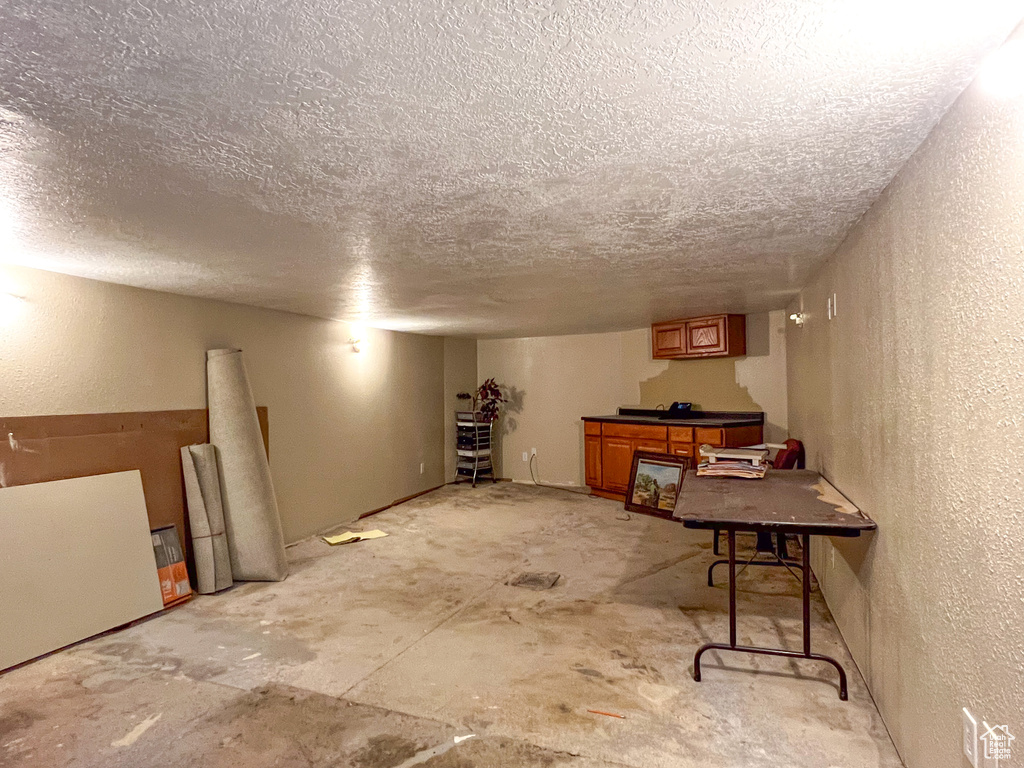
(396, 502)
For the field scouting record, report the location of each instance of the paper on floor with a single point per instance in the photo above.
(349, 536)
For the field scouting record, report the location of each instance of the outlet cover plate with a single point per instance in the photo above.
(985, 762)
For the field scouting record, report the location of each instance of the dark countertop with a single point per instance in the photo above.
(695, 418)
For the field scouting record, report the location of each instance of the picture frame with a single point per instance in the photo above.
(654, 483)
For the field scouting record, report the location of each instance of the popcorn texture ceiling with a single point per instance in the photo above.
(485, 168)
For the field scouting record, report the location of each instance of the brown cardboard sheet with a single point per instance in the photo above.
(36, 449)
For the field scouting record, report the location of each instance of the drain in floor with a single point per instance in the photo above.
(534, 580)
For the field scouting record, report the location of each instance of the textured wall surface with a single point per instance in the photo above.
(509, 169)
(555, 380)
(347, 431)
(911, 401)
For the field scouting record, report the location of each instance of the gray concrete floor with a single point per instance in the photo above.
(380, 653)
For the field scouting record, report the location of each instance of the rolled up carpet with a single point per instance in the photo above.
(255, 540)
(206, 518)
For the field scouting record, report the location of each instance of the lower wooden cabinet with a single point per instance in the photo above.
(609, 449)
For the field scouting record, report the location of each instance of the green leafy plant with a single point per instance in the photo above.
(487, 399)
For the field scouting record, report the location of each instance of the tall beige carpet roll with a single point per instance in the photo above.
(255, 540)
(206, 518)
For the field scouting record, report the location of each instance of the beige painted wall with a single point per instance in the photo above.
(459, 376)
(917, 376)
(555, 380)
(347, 431)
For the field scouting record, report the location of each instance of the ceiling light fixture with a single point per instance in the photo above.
(355, 344)
(1002, 74)
(11, 306)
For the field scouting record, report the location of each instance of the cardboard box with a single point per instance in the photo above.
(170, 566)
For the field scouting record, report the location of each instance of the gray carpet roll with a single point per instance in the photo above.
(206, 518)
(255, 540)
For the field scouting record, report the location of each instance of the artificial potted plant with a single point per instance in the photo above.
(487, 400)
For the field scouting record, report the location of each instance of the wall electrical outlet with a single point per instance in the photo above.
(422, 467)
(533, 451)
(526, 456)
(985, 762)
(970, 727)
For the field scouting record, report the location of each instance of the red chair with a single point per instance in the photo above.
(790, 455)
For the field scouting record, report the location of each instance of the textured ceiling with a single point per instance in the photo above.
(487, 168)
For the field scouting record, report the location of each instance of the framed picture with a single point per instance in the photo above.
(654, 483)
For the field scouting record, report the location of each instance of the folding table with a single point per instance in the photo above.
(797, 502)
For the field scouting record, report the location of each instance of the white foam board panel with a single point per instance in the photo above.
(76, 559)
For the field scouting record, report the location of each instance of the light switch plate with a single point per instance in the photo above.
(970, 737)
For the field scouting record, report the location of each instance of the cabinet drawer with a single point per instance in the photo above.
(680, 434)
(655, 446)
(638, 431)
(710, 436)
(592, 427)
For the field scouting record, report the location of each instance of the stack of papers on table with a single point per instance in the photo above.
(733, 462)
(731, 469)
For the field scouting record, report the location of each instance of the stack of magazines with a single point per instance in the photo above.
(751, 463)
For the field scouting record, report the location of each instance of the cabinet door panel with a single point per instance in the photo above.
(592, 462)
(668, 340)
(616, 463)
(706, 335)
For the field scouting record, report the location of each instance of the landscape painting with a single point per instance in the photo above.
(656, 484)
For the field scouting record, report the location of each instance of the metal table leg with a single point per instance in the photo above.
(732, 646)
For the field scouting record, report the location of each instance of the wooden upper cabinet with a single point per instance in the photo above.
(695, 337)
